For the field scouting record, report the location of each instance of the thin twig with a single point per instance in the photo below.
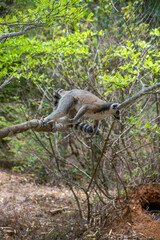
(77, 200)
(102, 152)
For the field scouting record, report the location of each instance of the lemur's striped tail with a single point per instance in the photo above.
(84, 128)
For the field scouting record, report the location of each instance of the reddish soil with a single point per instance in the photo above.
(142, 215)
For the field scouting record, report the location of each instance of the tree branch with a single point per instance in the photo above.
(35, 124)
(8, 80)
(139, 94)
(13, 34)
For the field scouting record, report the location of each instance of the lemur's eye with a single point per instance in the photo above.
(115, 106)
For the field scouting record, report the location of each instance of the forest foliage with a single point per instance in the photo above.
(110, 48)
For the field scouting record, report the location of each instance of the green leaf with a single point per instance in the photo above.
(155, 32)
(147, 125)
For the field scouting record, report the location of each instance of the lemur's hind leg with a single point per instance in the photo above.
(64, 106)
(69, 121)
(53, 116)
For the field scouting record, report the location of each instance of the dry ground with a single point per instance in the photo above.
(32, 211)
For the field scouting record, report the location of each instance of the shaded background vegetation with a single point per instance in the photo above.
(110, 48)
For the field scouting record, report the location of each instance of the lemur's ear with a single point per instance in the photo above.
(115, 105)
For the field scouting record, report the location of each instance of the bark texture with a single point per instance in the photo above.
(32, 124)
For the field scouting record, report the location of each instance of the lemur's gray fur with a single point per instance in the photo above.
(81, 102)
(84, 127)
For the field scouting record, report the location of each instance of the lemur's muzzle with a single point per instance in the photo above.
(117, 115)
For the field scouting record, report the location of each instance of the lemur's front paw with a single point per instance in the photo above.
(51, 121)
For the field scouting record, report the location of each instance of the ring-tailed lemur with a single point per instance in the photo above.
(82, 103)
(84, 127)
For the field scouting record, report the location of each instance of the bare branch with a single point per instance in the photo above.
(102, 153)
(35, 124)
(13, 34)
(139, 95)
(8, 80)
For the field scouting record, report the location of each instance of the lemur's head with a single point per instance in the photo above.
(115, 108)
